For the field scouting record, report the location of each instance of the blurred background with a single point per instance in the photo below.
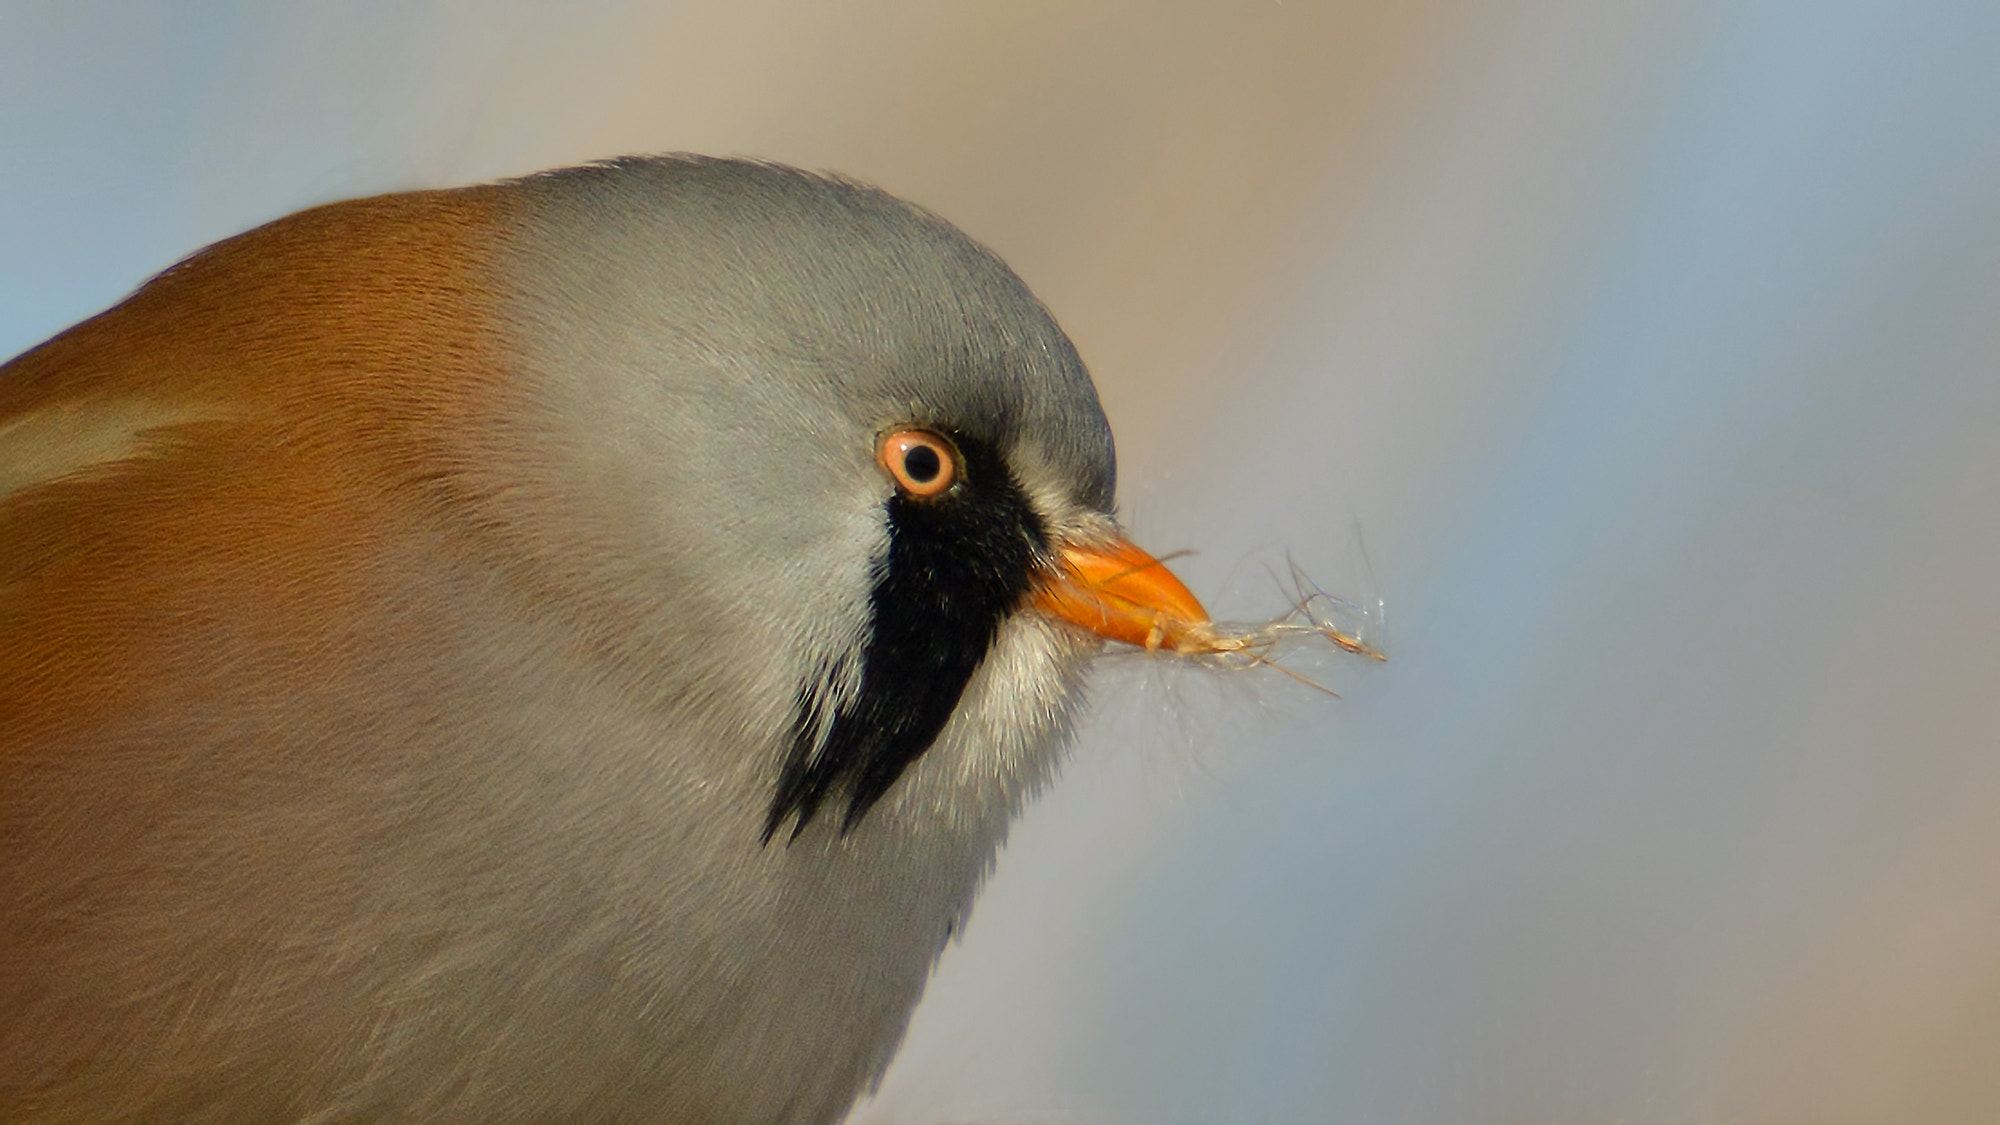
(1652, 345)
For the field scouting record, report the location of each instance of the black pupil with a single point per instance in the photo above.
(921, 464)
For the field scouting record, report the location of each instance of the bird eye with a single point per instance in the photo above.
(922, 464)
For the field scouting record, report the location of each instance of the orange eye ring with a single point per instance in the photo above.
(921, 463)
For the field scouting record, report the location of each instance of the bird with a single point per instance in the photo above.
(566, 648)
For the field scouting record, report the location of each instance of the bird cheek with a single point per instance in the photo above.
(1120, 593)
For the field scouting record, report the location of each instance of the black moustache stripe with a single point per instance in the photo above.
(956, 566)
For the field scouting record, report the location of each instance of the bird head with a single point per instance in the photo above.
(564, 648)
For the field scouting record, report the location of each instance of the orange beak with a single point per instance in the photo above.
(1121, 593)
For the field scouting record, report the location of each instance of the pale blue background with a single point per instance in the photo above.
(1653, 345)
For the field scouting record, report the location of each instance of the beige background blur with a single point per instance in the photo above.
(1652, 345)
